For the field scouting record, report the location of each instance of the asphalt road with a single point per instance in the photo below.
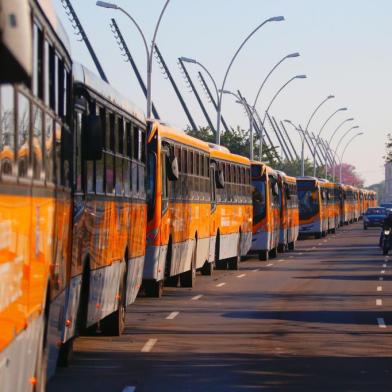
(317, 319)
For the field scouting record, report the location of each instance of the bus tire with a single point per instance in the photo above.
(188, 278)
(234, 262)
(172, 281)
(114, 324)
(207, 269)
(281, 248)
(219, 264)
(263, 255)
(318, 236)
(291, 246)
(153, 288)
(273, 253)
(65, 353)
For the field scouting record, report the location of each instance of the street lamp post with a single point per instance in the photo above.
(149, 50)
(302, 135)
(318, 135)
(338, 145)
(270, 104)
(344, 150)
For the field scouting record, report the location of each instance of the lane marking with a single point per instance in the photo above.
(241, 276)
(290, 257)
(381, 322)
(256, 270)
(300, 254)
(381, 278)
(314, 247)
(149, 345)
(383, 271)
(379, 302)
(196, 297)
(220, 284)
(269, 265)
(319, 243)
(384, 266)
(172, 315)
(280, 260)
(128, 388)
(379, 288)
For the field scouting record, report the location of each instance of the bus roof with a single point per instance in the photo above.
(51, 15)
(87, 78)
(179, 136)
(226, 155)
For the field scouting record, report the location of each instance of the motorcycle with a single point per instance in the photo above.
(386, 241)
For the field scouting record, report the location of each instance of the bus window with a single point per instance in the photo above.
(7, 118)
(259, 200)
(164, 186)
(308, 199)
(38, 62)
(23, 124)
(49, 167)
(37, 142)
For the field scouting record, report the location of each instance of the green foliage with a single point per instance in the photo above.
(388, 146)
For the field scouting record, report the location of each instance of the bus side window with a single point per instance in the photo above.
(99, 164)
(23, 125)
(212, 185)
(164, 182)
(38, 58)
(37, 121)
(7, 124)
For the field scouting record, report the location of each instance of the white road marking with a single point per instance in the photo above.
(241, 276)
(269, 265)
(383, 271)
(280, 260)
(381, 278)
(384, 266)
(220, 284)
(381, 322)
(149, 345)
(129, 389)
(300, 254)
(314, 247)
(379, 288)
(320, 243)
(196, 297)
(256, 270)
(378, 302)
(172, 315)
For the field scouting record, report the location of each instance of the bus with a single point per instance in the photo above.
(348, 203)
(179, 209)
(289, 212)
(110, 209)
(330, 192)
(313, 207)
(266, 211)
(231, 207)
(35, 190)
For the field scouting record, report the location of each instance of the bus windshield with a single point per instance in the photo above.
(259, 200)
(308, 199)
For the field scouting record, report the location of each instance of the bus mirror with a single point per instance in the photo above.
(275, 188)
(92, 137)
(173, 172)
(219, 179)
(288, 194)
(15, 42)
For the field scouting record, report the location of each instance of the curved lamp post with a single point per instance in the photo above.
(149, 50)
(338, 145)
(272, 101)
(344, 150)
(318, 135)
(302, 135)
(317, 109)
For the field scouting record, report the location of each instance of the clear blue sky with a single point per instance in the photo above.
(344, 45)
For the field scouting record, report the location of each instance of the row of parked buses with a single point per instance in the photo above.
(96, 202)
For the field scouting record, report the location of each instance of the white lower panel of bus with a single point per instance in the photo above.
(246, 243)
(155, 264)
(265, 240)
(288, 235)
(228, 245)
(103, 291)
(18, 361)
(315, 227)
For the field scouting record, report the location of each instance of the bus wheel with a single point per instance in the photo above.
(188, 278)
(65, 353)
(172, 281)
(264, 255)
(273, 253)
(281, 248)
(318, 236)
(207, 269)
(153, 288)
(234, 262)
(291, 246)
(114, 324)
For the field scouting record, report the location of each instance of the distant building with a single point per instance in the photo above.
(387, 197)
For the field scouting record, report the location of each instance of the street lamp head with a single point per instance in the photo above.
(105, 4)
(350, 119)
(287, 121)
(301, 77)
(342, 109)
(188, 60)
(330, 97)
(360, 133)
(276, 19)
(355, 127)
(225, 91)
(292, 55)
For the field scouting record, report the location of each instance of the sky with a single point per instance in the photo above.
(344, 46)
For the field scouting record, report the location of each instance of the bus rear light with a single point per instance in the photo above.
(98, 306)
(33, 381)
(151, 236)
(68, 323)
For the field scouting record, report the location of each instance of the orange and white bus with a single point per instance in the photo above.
(231, 207)
(266, 211)
(110, 209)
(179, 209)
(289, 212)
(35, 190)
(348, 204)
(330, 192)
(313, 206)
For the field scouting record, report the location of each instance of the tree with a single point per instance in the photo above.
(349, 175)
(388, 146)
